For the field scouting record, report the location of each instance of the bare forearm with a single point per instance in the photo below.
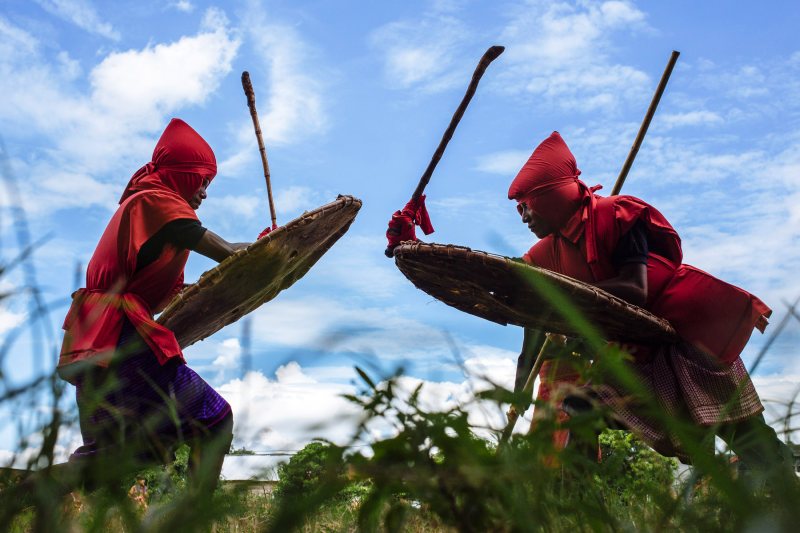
(213, 246)
(628, 290)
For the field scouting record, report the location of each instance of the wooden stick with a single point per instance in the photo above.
(490, 55)
(645, 123)
(527, 389)
(251, 103)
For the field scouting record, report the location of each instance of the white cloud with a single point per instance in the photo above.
(245, 158)
(9, 320)
(377, 278)
(229, 211)
(295, 107)
(289, 411)
(82, 14)
(69, 68)
(131, 95)
(321, 323)
(298, 405)
(57, 188)
(244, 467)
(562, 52)
(780, 395)
(690, 118)
(292, 374)
(736, 221)
(422, 53)
(506, 163)
(188, 71)
(289, 91)
(15, 40)
(230, 354)
(295, 199)
(183, 5)
(464, 206)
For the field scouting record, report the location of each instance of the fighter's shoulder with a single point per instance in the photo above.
(157, 200)
(620, 200)
(621, 206)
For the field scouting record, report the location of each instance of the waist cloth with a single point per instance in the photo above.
(137, 401)
(685, 384)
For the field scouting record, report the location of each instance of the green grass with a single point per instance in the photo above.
(433, 474)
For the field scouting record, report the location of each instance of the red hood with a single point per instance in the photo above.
(181, 161)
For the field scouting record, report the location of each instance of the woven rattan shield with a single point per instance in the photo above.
(509, 292)
(255, 275)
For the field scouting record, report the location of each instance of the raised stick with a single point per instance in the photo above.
(527, 389)
(645, 123)
(251, 103)
(490, 55)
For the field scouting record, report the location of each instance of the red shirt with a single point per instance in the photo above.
(715, 316)
(157, 194)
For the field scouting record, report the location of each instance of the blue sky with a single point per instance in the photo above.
(353, 99)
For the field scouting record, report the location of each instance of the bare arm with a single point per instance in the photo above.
(630, 285)
(213, 246)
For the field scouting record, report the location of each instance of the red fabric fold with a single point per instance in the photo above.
(266, 231)
(98, 315)
(403, 223)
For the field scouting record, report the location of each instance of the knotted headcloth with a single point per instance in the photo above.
(181, 161)
(548, 184)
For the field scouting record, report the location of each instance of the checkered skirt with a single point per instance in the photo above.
(686, 384)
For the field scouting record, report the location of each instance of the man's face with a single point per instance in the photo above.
(535, 223)
(199, 196)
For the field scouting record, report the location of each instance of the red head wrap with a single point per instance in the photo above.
(181, 161)
(548, 183)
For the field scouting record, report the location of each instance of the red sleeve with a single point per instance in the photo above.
(628, 210)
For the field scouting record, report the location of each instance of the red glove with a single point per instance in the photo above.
(401, 226)
(266, 232)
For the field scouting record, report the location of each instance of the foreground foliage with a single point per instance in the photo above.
(430, 472)
(437, 464)
(434, 474)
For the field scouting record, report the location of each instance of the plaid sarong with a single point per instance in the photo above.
(686, 384)
(140, 403)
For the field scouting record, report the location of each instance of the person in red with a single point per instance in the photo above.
(137, 398)
(627, 247)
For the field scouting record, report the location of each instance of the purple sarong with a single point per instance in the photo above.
(139, 403)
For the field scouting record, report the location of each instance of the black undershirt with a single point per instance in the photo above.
(183, 233)
(632, 247)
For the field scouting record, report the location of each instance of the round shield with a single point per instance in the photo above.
(508, 291)
(250, 277)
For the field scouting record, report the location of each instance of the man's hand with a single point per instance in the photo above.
(511, 414)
